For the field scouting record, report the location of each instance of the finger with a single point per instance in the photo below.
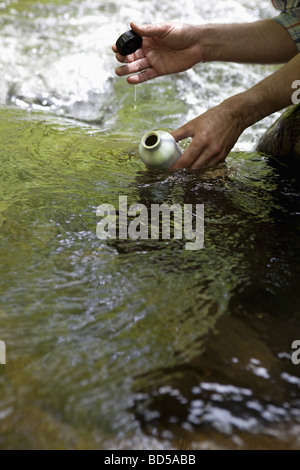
(182, 133)
(133, 67)
(139, 54)
(119, 57)
(191, 155)
(144, 76)
(150, 30)
(204, 161)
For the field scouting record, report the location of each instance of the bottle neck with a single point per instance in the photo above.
(151, 141)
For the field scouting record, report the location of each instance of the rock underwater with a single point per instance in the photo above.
(282, 139)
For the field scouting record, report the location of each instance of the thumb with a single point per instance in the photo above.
(150, 30)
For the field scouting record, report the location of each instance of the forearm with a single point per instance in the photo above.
(264, 42)
(270, 95)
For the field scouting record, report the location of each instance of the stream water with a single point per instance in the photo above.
(125, 344)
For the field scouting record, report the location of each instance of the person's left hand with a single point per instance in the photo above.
(214, 134)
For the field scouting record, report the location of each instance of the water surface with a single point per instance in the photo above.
(136, 344)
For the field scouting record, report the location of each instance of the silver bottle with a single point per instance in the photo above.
(159, 150)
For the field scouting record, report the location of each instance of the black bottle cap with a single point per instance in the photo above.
(129, 42)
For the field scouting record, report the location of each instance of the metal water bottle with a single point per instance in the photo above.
(159, 150)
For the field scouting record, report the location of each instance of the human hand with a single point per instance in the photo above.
(167, 48)
(214, 134)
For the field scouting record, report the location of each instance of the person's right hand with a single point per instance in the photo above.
(167, 48)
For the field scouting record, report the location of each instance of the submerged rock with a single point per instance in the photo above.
(282, 139)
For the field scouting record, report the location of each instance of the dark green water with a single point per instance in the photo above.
(136, 344)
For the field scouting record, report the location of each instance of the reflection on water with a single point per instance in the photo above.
(135, 344)
(56, 56)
